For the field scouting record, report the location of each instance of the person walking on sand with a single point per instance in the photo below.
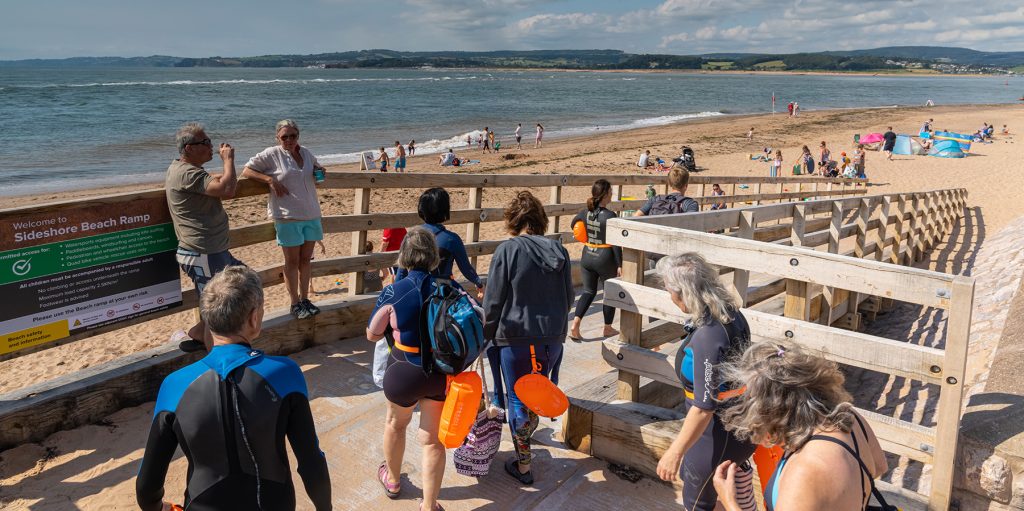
(789, 108)
(750, 134)
(288, 170)
(412, 148)
(383, 159)
(824, 159)
(200, 222)
(488, 138)
(890, 143)
(519, 136)
(399, 157)
(540, 136)
(230, 413)
(796, 109)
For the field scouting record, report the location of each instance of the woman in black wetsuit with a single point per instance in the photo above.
(718, 334)
(599, 260)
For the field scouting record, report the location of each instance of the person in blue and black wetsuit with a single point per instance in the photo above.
(797, 400)
(230, 413)
(718, 333)
(406, 384)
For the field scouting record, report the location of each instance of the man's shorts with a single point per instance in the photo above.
(295, 233)
(202, 267)
(400, 162)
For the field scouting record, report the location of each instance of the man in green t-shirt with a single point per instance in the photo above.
(200, 222)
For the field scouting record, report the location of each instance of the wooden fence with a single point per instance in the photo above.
(838, 260)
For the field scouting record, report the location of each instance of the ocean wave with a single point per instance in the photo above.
(242, 81)
(440, 145)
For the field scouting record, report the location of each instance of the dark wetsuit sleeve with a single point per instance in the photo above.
(458, 251)
(497, 293)
(707, 346)
(149, 486)
(312, 465)
(570, 291)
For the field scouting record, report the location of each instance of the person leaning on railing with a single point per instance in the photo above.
(200, 222)
(288, 169)
(797, 401)
(718, 333)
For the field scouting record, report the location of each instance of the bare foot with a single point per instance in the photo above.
(609, 331)
(574, 334)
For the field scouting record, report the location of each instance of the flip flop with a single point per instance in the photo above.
(512, 467)
(391, 490)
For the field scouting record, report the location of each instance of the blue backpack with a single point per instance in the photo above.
(454, 330)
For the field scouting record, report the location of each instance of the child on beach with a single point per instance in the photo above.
(383, 159)
(776, 164)
(750, 134)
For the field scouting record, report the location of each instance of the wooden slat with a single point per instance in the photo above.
(741, 278)
(630, 323)
(852, 348)
(360, 206)
(900, 283)
(900, 436)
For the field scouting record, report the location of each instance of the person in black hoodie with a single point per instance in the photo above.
(599, 260)
(526, 308)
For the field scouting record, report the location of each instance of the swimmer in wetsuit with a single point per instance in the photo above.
(797, 400)
(599, 260)
(720, 334)
(230, 413)
(397, 318)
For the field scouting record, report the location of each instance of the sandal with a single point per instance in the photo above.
(512, 467)
(390, 489)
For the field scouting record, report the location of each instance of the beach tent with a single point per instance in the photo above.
(907, 145)
(962, 139)
(947, 149)
(925, 134)
(871, 138)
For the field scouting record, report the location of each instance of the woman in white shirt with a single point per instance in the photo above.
(288, 169)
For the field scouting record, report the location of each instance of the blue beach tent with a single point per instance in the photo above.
(907, 145)
(947, 149)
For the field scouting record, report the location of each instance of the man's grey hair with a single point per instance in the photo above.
(229, 298)
(187, 135)
(419, 250)
(286, 123)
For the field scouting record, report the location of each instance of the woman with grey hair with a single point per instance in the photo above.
(797, 400)
(396, 317)
(290, 171)
(717, 333)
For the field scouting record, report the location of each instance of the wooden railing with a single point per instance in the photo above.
(854, 249)
(361, 220)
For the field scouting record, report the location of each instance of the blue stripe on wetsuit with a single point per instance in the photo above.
(175, 385)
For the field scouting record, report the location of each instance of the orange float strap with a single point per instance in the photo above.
(407, 349)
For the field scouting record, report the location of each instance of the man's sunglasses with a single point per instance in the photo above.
(290, 136)
(206, 142)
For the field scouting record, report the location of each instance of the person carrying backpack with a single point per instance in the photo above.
(526, 312)
(398, 317)
(674, 202)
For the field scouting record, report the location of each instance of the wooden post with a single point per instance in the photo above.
(901, 231)
(883, 227)
(556, 198)
(915, 248)
(616, 193)
(741, 278)
(631, 323)
(798, 304)
(476, 196)
(829, 189)
(361, 206)
(757, 191)
(835, 229)
(947, 417)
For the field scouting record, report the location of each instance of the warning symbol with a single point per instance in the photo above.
(78, 322)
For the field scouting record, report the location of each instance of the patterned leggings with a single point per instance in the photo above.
(515, 363)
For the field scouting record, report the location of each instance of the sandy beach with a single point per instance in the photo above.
(990, 174)
(721, 148)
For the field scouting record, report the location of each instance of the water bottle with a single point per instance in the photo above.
(650, 192)
(319, 174)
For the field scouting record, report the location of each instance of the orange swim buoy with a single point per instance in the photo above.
(460, 408)
(539, 394)
(579, 231)
(766, 459)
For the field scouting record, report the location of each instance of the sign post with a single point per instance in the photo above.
(67, 270)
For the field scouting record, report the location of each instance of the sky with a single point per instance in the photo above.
(202, 28)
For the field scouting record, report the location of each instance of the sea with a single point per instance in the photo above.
(69, 129)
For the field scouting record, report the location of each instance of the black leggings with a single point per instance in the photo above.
(713, 447)
(594, 270)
